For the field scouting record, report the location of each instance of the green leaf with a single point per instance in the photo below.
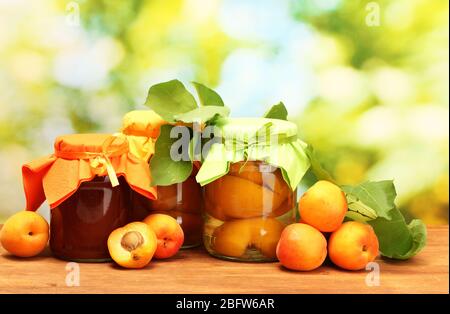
(277, 111)
(202, 114)
(357, 210)
(169, 99)
(374, 203)
(207, 96)
(397, 239)
(165, 170)
(377, 196)
(316, 168)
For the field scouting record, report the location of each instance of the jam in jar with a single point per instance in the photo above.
(80, 225)
(87, 183)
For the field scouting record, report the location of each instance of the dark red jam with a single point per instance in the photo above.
(80, 226)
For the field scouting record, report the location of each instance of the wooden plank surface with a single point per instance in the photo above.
(194, 271)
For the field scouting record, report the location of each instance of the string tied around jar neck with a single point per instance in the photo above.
(100, 161)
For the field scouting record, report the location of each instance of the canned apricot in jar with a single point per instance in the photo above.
(250, 178)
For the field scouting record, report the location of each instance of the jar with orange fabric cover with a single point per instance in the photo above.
(87, 183)
(183, 200)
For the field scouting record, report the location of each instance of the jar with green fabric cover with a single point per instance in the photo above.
(250, 178)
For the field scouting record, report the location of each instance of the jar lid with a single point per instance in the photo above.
(79, 158)
(249, 127)
(78, 144)
(142, 128)
(252, 139)
(142, 123)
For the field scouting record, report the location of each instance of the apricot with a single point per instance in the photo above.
(301, 247)
(234, 197)
(192, 225)
(218, 212)
(25, 234)
(170, 236)
(133, 245)
(233, 238)
(265, 235)
(214, 209)
(323, 206)
(250, 189)
(246, 170)
(353, 245)
(261, 174)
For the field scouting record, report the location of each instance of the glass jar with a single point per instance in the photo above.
(249, 176)
(246, 211)
(80, 226)
(87, 183)
(183, 201)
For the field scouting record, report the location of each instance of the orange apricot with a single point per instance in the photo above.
(301, 247)
(218, 212)
(234, 197)
(25, 234)
(323, 206)
(214, 209)
(250, 189)
(261, 174)
(247, 170)
(233, 238)
(133, 245)
(192, 225)
(170, 236)
(265, 235)
(353, 245)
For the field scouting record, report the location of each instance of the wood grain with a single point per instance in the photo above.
(194, 271)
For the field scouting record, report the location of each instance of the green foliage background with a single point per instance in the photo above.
(372, 100)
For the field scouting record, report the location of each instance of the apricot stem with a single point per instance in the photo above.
(132, 240)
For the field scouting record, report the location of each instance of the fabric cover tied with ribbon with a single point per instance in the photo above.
(79, 158)
(242, 139)
(142, 128)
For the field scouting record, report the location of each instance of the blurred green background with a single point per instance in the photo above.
(366, 81)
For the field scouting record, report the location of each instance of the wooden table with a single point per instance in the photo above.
(194, 271)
